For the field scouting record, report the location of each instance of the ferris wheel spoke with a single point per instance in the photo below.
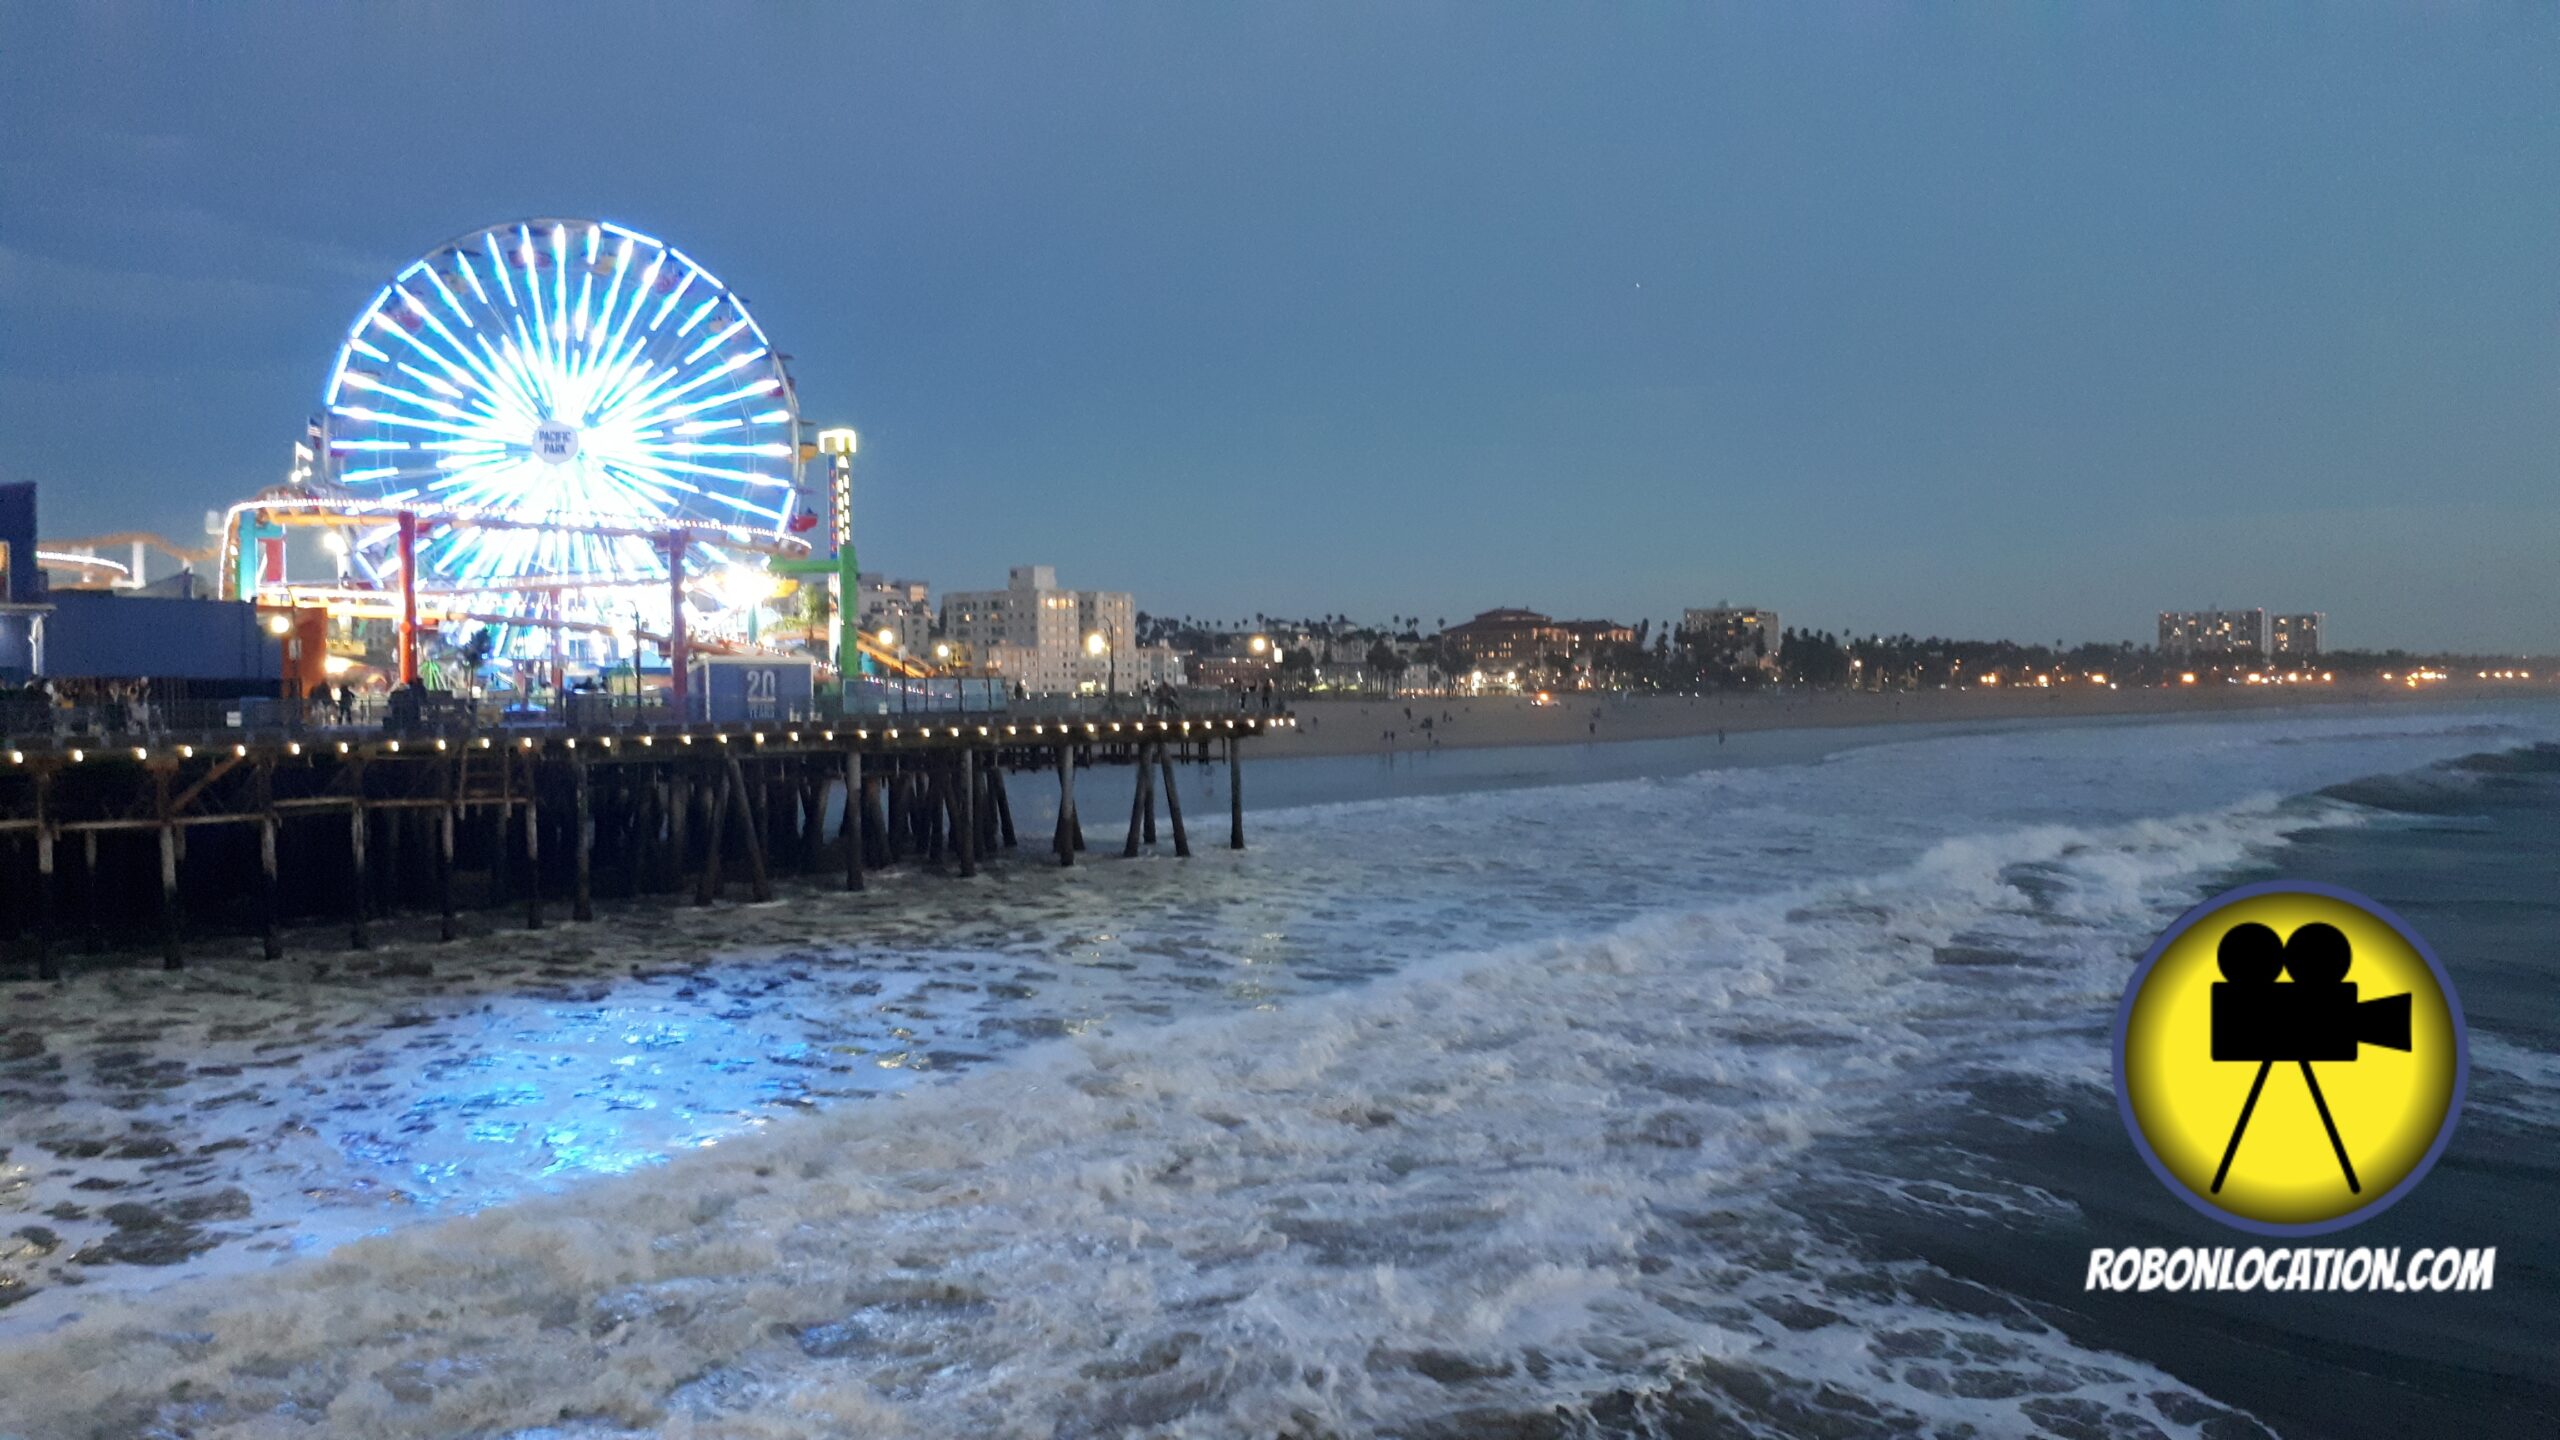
(604, 312)
(531, 305)
(472, 373)
(407, 422)
(635, 485)
(716, 340)
(390, 474)
(690, 275)
(632, 388)
(639, 298)
(669, 491)
(705, 308)
(463, 266)
(419, 307)
(464, 375)
(560, 296)
(625, 363)
(510, 377)
(436, 383)
(760, 387)
(451, 303)
(495, 254)
(404, 335)
(586, 295)
(527, 358)
(712, 376)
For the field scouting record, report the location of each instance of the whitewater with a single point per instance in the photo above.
(1557, 1109)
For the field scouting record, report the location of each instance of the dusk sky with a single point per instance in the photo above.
(2014, 321)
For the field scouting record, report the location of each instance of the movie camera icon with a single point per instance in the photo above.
(2317, 1017)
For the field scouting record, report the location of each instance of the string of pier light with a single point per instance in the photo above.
(1065, 730)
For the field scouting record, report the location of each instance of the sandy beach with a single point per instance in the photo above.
(1359, 727)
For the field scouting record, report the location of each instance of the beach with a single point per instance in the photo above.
(1439, 722)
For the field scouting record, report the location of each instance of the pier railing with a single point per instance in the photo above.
(28, 721)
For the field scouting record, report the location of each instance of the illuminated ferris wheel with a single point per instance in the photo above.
(576, 374)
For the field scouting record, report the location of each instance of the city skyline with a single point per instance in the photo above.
(1382, 311)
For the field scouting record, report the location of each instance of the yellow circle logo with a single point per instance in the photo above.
(2290, 1058)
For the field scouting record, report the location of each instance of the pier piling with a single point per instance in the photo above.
(582, 904)
(431, 828)
(46, 968)
(1172, 803)
(532, 842)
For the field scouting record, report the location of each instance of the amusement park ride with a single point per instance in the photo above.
(559, 427)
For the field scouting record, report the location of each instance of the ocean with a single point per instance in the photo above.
(1673, 1088)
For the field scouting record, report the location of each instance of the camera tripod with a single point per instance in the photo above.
(2247, 1107)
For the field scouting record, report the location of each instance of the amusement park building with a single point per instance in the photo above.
(99, 634)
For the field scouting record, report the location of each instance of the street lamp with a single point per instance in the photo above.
(1097, 646)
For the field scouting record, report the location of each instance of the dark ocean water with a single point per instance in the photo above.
(2467, 852)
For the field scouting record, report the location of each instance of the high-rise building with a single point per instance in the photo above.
(2213, 632)
(2296, 634)
(1049, 640)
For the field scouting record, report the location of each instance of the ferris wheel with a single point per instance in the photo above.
(574, 373)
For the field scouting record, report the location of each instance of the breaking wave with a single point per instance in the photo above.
(1550, 1183)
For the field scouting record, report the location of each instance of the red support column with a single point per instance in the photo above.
(408, 597)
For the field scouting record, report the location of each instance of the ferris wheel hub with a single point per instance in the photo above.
(555, 443)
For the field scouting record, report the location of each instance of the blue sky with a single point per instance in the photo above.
(2001, 321)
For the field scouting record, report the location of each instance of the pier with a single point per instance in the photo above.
(113, 840)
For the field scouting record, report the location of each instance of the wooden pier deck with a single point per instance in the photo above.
(108, 839)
